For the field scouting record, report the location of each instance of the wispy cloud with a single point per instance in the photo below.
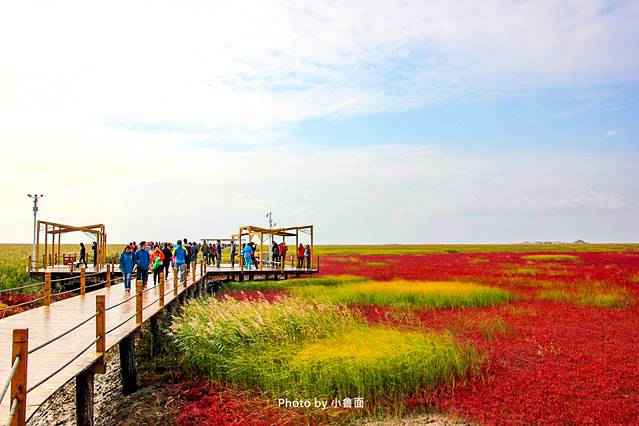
(611, 134)
(249, 65)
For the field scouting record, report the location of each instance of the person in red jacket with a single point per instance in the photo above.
(300, 256)
(157, 263)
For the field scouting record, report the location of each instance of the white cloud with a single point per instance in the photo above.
(256, 65)
(611, 134)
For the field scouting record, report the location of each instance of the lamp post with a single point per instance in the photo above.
(35, 197)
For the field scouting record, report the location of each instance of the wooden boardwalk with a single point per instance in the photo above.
(47, 322)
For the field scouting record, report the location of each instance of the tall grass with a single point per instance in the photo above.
(592, 295)
(551, 257)
(298, 349)
(437, 294)
(212, 331)
(328, 280)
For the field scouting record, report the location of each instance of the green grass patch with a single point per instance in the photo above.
(297, 349)
(594, 295)
(435, 294)
(328, 280)
(551, 257)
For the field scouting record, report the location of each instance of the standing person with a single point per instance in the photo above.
(195, 249)
(283, 250)
(307, 255)
(187, 247)
(83, 255)
(126, 267)
(253, 250)
(205, 252)
(233, 253)
(248, 256)
(168, 254)
(95, 254)
(157, 262)
(142, 261)
(300, 256)
(180, 259)
(218, 253)
(275, 253)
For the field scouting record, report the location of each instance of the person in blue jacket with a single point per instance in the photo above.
(142, 260)
(247, 252)
(180, 259)
(126, 267)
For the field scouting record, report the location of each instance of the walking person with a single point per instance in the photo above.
(142, 261)
(282, 253)
(157, 262)
(95, 254)
(233, 253)
(180, 259)
(83, 255)
(187, 247)
(247, 252)
(218, 253)
(300, 256)
(168, 255)
(205, 252)
(126, 267)
(275, 253)
(307, 255)
(195, 249)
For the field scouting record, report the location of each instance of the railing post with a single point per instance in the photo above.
(317, 264)
(175, 282)
(185, 275)
(108, 276)
(100, 324)
(19, 381)
(138, 302)
(47, 289)
(193, 267)
(161, 289)
(30, 266)
(83, 280)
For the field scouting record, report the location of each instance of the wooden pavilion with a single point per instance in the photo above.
(268, 234)
(52, 256)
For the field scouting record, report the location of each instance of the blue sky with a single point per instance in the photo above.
(433, 122)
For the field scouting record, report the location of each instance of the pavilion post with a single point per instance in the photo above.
(261, 250)
(37, 247)
(312, 249)
(46, 244)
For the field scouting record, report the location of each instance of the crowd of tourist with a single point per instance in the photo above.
(154, 257)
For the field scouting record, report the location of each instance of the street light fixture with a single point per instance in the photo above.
(35, 198)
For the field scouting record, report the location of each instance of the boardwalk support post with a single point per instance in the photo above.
(84, 387)
(127, 365)
(83, 280)
(19, 382)
(108, 276)
(138, 302)
(155, 335)
(161, 289)
(47, 289)
(175, 282)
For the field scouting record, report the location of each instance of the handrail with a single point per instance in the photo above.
(12, 412)
(6, 290)
(121, 324)
(75, 327)
(12, 372)
(64, 366)
(6, 308)
(121, 303)
(152, 303)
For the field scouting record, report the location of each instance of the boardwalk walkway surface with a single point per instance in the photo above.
(46, 367)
